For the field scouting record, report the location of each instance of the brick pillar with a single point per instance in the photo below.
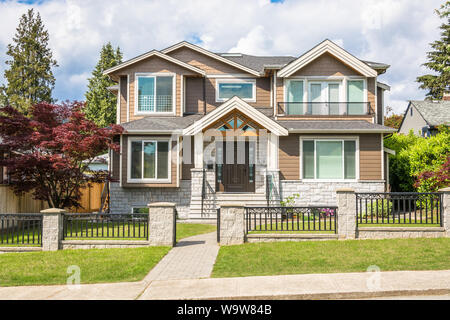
(446, 210)
(346, 216)
(232, 224)
(161, 224)
(52, 229)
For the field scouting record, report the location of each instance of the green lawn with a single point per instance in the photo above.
(289, 226)
(96, 265)
(185, 230)
(281, 258)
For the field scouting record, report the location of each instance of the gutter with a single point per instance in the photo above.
(153, 132)
(292, 130)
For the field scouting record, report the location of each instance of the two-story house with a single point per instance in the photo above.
(205, 128)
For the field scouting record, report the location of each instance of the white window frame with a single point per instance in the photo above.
(154, 75)
(330, 138)
(341, 80)
(149, 180)
(251, 81)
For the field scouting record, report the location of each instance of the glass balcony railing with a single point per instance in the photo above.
(164, 103)
(324, 109)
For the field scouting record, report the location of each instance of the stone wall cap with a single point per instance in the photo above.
(342, 190)
(236, 204)
(445, 189)
(161, 204)
(53, 211)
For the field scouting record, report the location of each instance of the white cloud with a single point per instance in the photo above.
(393, 32)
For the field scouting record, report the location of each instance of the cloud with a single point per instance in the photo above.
(393, 32)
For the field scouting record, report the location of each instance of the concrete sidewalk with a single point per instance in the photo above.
(308, 286)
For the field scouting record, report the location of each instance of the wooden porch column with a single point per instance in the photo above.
(272, 154)
(198, 150)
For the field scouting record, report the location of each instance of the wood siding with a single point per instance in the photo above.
(123, 96)
(326, 65)
(174, 167)
(289, 160)
(370, 165)
(194, 95)
(204, 62)
(151, 65)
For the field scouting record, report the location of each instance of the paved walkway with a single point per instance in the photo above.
(192, 258)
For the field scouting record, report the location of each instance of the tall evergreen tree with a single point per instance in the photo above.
(439, 59)
(100, 102)
(29, 78)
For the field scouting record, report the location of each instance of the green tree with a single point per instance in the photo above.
(29, 78)
(100, 102)
(439, 59)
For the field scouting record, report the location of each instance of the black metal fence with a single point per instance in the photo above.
(21, 229)
(106, 226)
(293, 219)
(395, 208)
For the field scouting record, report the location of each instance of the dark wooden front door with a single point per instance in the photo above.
(236, 173)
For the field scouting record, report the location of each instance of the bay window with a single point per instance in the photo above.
(155, 93)
(149, 160)
(244, 89)
(329, 159)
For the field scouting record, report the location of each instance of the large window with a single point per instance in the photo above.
(149, 160)
(155, 93)
(244, 89)
(356, 97)
(329, 159)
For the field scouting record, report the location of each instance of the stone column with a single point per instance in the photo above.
(52, 229)
(232, 224)
(346, 213)
(161, 224)
(446, 210)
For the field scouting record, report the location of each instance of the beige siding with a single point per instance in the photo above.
(289, 149)
(204, 62)
(326, 65)
(371, 92)
(123, 98)
(152, 65)
(370, 166)
(173, 182)
(370, 156)
(380, 105)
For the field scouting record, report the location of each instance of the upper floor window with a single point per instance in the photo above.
(155, 93)
(228, 88)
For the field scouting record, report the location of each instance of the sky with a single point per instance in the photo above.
(396, 32)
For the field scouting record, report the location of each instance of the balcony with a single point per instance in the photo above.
(324, 109)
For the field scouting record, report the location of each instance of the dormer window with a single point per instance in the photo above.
(155, 93)
(242, 88)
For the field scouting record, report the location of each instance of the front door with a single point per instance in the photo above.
(236, 172)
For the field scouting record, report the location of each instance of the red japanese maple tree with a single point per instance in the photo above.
(51, 149)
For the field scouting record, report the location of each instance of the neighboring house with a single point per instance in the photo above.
(424, 117)
(100, 163)
(320, 115)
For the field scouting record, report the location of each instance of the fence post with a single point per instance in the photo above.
(232, 227)
(52, 229)
(446, 210)
(346, 213)
(161, 224)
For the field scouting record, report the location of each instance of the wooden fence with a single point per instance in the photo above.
(11, 203)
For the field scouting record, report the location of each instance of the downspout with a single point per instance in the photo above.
(204, 95)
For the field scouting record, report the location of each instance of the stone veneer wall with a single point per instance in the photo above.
(323, 193)
(123, 199)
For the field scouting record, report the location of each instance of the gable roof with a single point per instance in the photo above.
(151, 54)
(330, 47)
(235, 103)
(210, 54)
(258, 63)
(433, 112)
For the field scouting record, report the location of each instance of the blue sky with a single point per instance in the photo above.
(396, 32)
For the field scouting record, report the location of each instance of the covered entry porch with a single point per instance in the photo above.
(235, 158)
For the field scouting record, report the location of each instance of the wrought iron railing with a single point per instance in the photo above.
(21, 229)
(324, 109)
(164, 103)
(289, 219)
(111, 226)
(397, 208)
